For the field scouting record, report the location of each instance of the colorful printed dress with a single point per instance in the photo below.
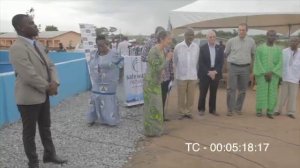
(104, 73)
(153, 105)
(267, 59)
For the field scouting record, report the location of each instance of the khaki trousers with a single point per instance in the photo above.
(186, 94)
(288, 95)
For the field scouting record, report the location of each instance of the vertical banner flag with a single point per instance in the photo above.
(88, 40)
(169, 27)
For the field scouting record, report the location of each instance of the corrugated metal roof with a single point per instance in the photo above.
(44, 34)
(9, 35)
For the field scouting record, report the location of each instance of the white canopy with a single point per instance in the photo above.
(281, 15)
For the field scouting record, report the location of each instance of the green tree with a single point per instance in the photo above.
(235, 32)
(106, 31)
(112, 29)
(51, 28)
(200, 35)
(226, 34)
(102, 31)
(259, 39)
(30, 12)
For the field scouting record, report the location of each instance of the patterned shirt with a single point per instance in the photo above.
(148, 45)
(169, 74)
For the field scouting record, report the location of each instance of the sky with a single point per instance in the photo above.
(131, 17)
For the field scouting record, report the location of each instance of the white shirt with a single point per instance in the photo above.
(123, 48)
(114, 46)
(291, 70)
(27, 39)
(186, 60)
(30, 41)
(212, 51)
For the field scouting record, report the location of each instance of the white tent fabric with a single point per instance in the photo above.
(281, 15)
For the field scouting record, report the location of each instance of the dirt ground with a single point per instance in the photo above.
(171, 151)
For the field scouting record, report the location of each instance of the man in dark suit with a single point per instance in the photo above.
(210, 65)
(36, 80)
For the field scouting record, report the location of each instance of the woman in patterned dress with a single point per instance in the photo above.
(153, 105)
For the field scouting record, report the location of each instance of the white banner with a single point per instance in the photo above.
(88, 39)
(133, 80)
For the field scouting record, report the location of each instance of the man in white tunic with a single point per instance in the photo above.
(290, 79)
(186, 55)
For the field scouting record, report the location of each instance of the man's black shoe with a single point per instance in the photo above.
(276, 114)
(54, 159)
(33, 165)
(214, 113)
(291, 116)
(270, 116)
(189, 116)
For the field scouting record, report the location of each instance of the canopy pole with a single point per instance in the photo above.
(290, 27)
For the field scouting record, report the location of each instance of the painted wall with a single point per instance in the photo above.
(55, 57)
(73, 75)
